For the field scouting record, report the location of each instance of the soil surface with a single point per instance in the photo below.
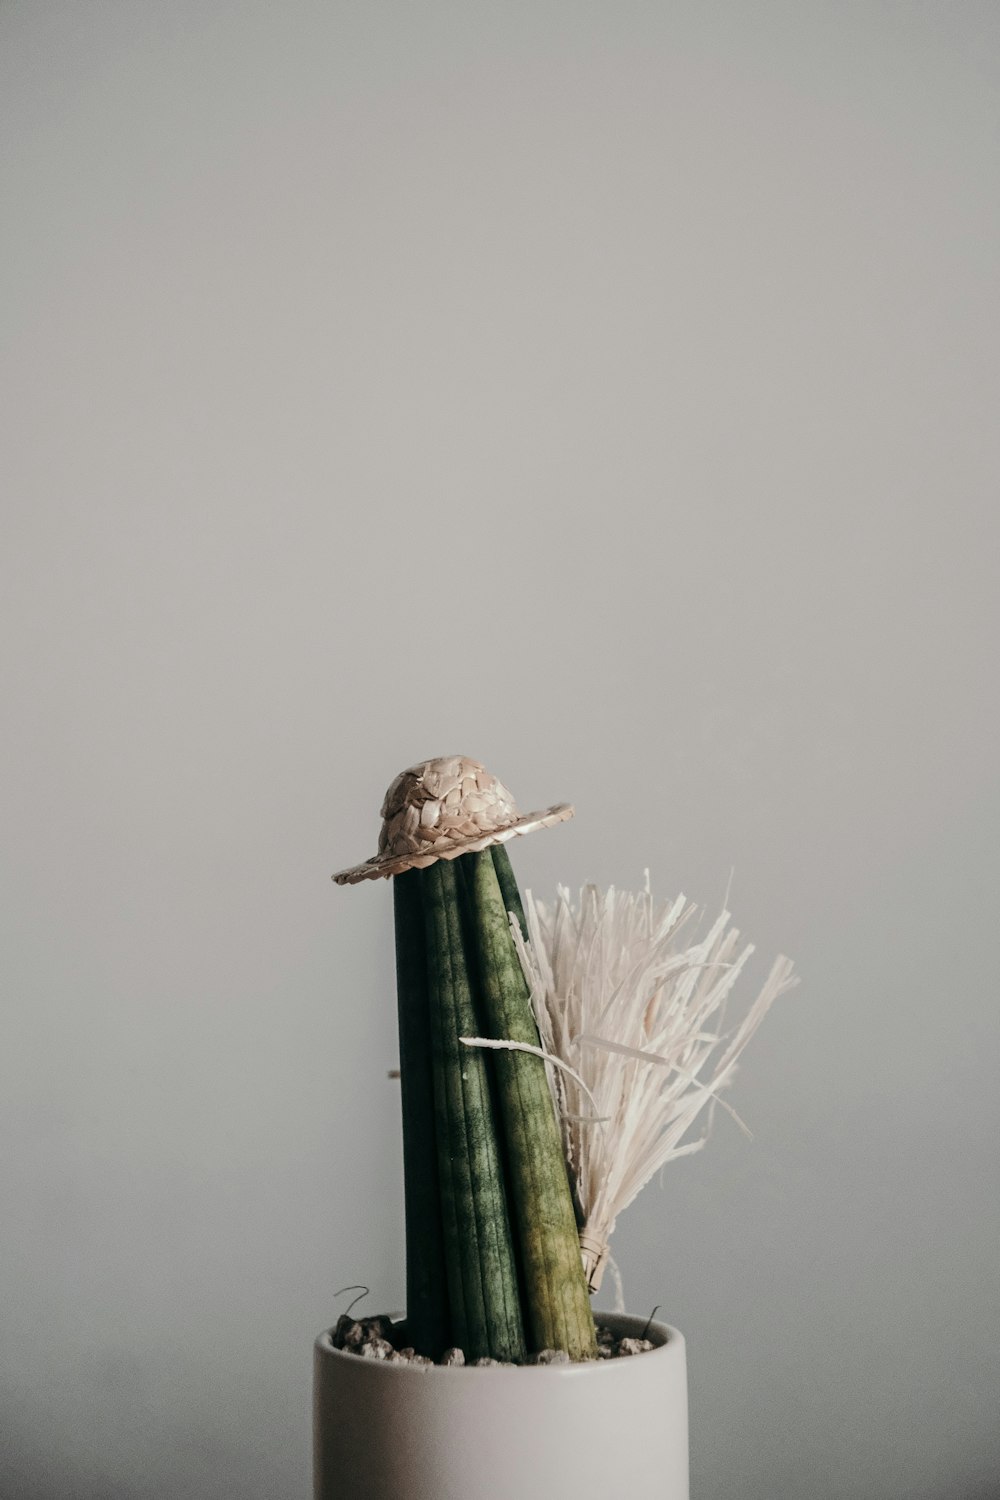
(380, 1338)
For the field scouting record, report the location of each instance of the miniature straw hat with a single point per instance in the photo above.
(443, 808)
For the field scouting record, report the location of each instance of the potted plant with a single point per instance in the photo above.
(552, 1059)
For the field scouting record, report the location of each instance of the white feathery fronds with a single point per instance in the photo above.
(631, 1008)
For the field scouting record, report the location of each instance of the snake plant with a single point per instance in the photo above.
(493, 1261)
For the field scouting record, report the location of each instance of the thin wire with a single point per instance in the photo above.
(362, 1291)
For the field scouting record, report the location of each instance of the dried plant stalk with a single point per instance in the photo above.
(637, 1013)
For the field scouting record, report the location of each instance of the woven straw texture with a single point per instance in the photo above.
(442, 808)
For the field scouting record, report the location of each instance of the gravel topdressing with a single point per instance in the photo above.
(379, 1338)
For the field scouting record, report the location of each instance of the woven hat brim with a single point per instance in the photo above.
(381, 866)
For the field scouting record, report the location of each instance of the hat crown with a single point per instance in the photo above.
(437, 802)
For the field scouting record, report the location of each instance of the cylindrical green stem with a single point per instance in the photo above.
(555, 1299)
(483, 1294)
(428, 1324)
(507, 881)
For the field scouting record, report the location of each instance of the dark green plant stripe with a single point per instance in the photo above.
(427, 1318)
(556, 1302)
(508, 885)
(483, 1294)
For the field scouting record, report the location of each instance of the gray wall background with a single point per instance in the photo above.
(607, 391)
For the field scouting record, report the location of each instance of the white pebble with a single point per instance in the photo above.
(376, 1348)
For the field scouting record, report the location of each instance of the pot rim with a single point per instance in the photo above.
(669, 1342)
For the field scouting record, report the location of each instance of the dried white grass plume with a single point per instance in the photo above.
(633, 1008)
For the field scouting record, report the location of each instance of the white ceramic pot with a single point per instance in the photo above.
(591, 1431)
